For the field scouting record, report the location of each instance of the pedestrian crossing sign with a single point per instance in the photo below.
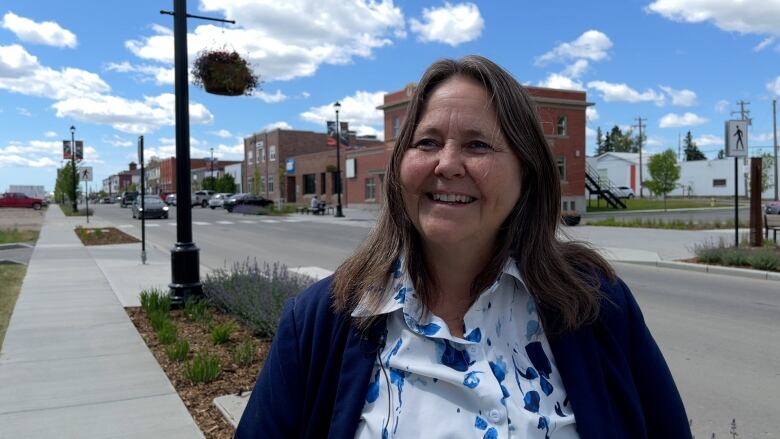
(737, 138)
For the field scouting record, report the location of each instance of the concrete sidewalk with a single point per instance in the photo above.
(72, 364)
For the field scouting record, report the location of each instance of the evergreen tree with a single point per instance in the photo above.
(599, 141)
(620, 141)
(721, 154)
(692, 152)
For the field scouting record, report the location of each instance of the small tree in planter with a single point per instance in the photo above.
(224, 73)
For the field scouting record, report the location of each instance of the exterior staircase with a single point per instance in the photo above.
(603, 188)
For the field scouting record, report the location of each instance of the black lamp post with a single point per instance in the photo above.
(339, 213)
(73, 165)
(213, 186)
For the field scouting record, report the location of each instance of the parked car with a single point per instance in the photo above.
(772, 208)
(18, 199)
(128, 198)
(201, 198)
(252, 200)
(626, 192)
(218, 200)
(230, 202)
(153, 207)
(170, 199)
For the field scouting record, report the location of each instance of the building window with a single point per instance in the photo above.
(719, 182)
(309, 186)
(250, 156)
(270, 183)
(272, 153)
(562, 122)
(561, 162)
(396, 127)
(370, 188)
(259, 146)
(573, 207)
(262, 156)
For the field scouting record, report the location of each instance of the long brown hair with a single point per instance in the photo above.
(563, 277)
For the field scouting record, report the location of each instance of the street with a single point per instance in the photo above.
(719, 334)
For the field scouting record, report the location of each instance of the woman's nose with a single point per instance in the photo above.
(450, 161)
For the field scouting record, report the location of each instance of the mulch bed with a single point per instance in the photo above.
(199, 397)
(104, 236)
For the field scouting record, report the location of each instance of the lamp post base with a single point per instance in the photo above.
(185, 273)
(339, 213)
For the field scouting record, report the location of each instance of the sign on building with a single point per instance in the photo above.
(290, 168)
(737, 138)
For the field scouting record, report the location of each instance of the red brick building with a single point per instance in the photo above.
(562, 113)
(167, 181)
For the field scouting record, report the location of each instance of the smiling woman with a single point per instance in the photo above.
(463, 314)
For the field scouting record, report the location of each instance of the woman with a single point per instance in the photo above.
(463, 315)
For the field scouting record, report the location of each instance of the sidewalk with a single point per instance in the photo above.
(72, 364)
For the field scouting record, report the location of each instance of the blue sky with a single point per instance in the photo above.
(106, 67)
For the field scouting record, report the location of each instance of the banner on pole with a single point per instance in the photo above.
(343, 133)
(66, 150)
(79, 150)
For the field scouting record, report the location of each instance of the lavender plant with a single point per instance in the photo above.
(253, 294)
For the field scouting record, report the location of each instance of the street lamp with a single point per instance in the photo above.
(73, 165)
(213, 186)
(339, 213)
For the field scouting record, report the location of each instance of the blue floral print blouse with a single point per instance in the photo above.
(498, 381)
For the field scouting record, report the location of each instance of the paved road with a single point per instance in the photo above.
(719, 334)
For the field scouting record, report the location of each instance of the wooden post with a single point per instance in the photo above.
(756, 226)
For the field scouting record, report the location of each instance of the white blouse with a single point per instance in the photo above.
(499, 381)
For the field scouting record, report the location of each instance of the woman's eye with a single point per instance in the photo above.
(426, 144)
(480, 146)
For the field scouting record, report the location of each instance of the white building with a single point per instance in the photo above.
(235, 171)
(34, 191)
(700, 178)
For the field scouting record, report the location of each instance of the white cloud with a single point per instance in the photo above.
(774, 86)
(722, 106)
(223, 133)
(7, 160)
(165, 147)
(592, 45)
(764, 44)
(159, 74)
(305, 94)
(708, 140)
(118, 141)
(50, 134)
(673, 120)
(287, 39)
(23, 112)
(129, 116)
(591, 114)
(47, 32)
(761, 137)
(557, 80)
(270, 98)
(653, 141)
(590, 133)
(32, 154)
(280, 125)
(758, 16)
(612, 92)
(359, 110)
(21, 73)
(449, 24)
(576, 69)
(682, 98)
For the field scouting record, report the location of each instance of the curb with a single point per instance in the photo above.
(715, 269)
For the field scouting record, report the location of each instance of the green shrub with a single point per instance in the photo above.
(167, 334)
(253, 294)
(765, 259)
(221, 333)
(158, 319)
(203, 368)
(152, 300)
(178, 351)
(735, 257)
(197, 311)
(710, 253)
(245, 353)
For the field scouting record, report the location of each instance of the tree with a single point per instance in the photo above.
(664, 173)
(63, 187)
(618, 141)
(692, 152)
(599, 141)
(767, 172)
(132, 187)
(210, 184)
(721, 154)
(226, 184)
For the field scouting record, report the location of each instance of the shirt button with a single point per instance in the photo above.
(495, 415)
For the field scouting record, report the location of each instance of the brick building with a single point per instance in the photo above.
(562, 114)
(167, 178)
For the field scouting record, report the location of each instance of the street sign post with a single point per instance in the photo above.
(737, 147)
(85, 175)
(142, 212)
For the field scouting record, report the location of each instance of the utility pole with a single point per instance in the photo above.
(774, 129)
(641, 125)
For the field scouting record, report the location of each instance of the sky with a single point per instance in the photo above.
(107, 69)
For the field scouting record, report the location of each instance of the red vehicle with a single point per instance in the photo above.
(15, 199)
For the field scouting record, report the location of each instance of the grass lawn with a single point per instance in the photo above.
(15, 235)
(657, 223)
(654, 204)
(67, 209)
(11, 277)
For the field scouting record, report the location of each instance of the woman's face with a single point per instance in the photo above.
(460, 178)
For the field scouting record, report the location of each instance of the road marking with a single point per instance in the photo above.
(270, 221)
(293, 221)
(200, 223)
(225, 222)
(152, 225)
(248, 222)
(315, 272)
(125, 226)
(172, 224)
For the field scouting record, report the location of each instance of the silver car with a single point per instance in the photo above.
(218, 200)
(153, 208)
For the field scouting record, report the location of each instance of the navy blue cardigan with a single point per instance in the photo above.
(315, 379)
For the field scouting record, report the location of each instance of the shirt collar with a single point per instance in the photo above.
(400, 289)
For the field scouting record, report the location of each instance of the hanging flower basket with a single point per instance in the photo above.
(224, 73)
